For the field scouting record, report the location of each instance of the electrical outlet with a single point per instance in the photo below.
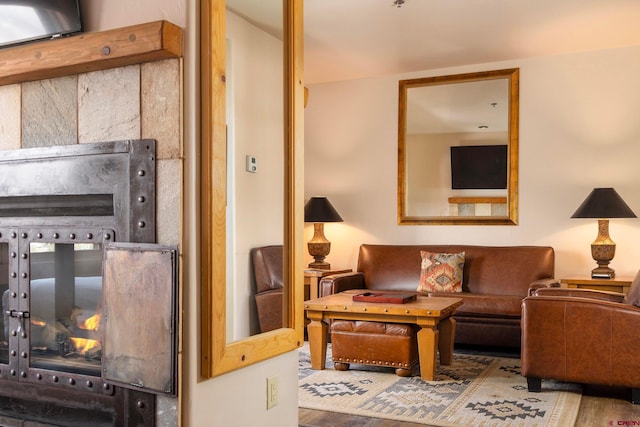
(272, 392)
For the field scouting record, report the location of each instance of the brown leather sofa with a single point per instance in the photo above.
(581, 336)
(267, 269)
(495, 280)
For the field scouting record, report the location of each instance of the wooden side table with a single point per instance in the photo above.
(617, 284)
(312, 278)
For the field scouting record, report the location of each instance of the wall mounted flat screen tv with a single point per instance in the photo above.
(479, 167)
(27, 20)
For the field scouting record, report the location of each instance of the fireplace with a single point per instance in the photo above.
(88, 325)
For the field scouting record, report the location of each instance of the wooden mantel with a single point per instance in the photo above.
(90, 52)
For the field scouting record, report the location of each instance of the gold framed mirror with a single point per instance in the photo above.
(458, 149)
(220, 354)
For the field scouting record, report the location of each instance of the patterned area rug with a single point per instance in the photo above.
(476, 390)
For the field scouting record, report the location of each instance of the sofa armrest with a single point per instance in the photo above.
(579, 293)
(341, 282)
(543, 283)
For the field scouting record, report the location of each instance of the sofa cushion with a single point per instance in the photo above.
(507, 270)
(441, 272)
(633, 297)
(486, 305)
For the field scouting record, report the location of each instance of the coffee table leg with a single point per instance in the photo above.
(447, 329)
(427, 350)
(317, 331)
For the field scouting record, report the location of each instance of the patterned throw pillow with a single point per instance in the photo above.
(441, 272)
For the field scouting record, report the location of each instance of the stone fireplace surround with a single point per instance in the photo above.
(137, 101)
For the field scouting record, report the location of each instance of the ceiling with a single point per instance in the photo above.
(462, 107)
(349, 39)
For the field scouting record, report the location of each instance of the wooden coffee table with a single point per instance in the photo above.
(432, 314)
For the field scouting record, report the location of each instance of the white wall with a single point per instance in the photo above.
(237, 398)
(428, 170)
(255, 127)
(578, 130)
(99, 15)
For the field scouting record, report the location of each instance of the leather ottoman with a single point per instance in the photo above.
(393, 345)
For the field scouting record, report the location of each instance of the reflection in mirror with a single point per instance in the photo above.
(264, 206)
(255, 148)
(458, 149)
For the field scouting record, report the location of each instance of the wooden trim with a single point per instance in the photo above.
(458, 220)
(588, 280)
(218, 356)
(212, 170)
(90, 52)
(294, 189)
(474, 200)
(514, 143)
(513, 76)
(620, 284)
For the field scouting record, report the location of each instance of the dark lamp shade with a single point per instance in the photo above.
(319, 209)
(603, 203)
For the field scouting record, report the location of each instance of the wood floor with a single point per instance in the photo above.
(600, 406)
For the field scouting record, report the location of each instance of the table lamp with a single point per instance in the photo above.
(603, 203)
(319, 210)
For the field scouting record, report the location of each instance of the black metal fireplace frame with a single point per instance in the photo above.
(59, 180)
(102, 192)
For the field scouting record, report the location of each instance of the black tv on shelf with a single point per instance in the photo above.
(23, 21)
(479, 167)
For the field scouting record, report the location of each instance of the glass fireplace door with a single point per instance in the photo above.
(84, 312)
(53, 305)
(65, 306)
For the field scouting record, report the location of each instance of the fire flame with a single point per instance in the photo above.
(84, 344)
(91, 323)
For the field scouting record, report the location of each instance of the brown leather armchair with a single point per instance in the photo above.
(581, 336)
(267, 269)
